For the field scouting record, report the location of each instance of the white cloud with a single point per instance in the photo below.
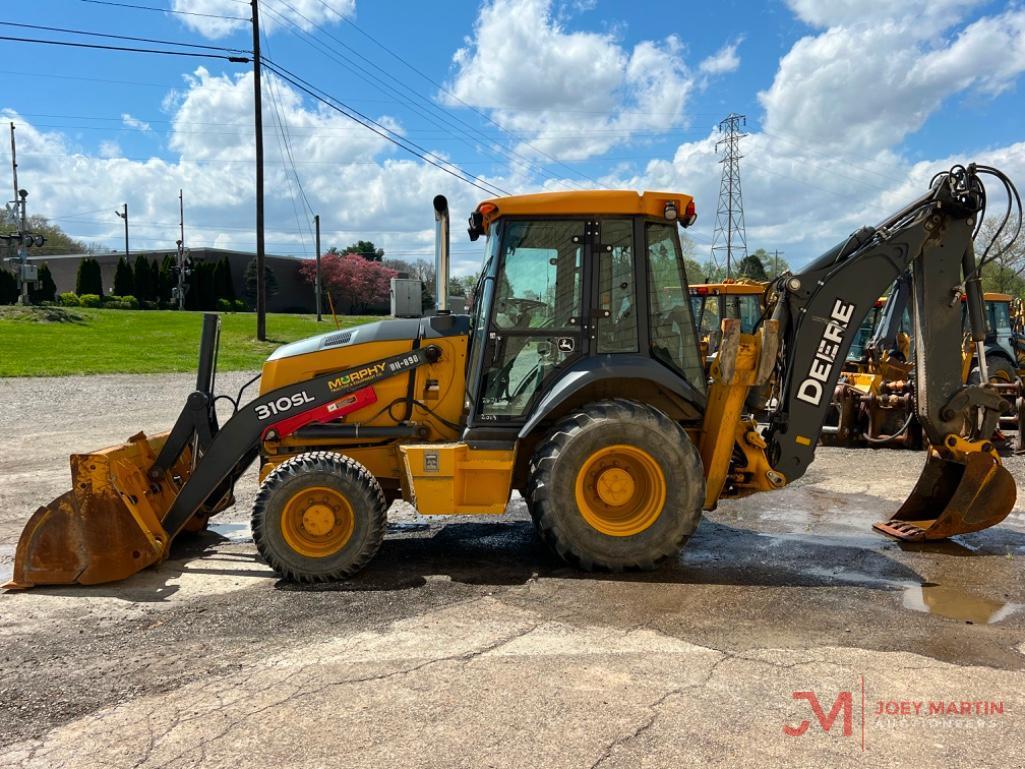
(722, 61)
(926, 13)
(866, 86)
(133, 122)
(571, 94)
(361, 187)
(218, 18)
(831, 156)
(109, 149)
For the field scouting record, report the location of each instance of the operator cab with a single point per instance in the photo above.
(1000, 336)
(711, 302)
(599, 274)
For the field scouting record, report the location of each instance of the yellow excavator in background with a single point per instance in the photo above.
(572, 380)
(742, 300)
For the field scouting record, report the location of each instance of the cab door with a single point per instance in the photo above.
(539, 319)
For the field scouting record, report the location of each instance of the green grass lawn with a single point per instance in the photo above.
(97, 341)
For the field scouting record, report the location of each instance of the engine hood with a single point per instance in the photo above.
(392, 329)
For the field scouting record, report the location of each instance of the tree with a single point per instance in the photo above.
(124, 279)
(154, 280)
(1005, 261)
(143, 290)
(751, 267)
(695, 272)
(366, 249)
(57, 241)
(89, 279)
(224, 287)
(774, 264)
(270, 281)
(360, 282)
(166, 279)
(46, 289)
(8, 287)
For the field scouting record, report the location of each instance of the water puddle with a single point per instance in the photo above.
(401, 527)
(962, 605)
(233, 532)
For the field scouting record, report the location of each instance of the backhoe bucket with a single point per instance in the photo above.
(108, 526)
(953, 497)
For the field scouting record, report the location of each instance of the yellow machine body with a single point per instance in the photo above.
(440, 386)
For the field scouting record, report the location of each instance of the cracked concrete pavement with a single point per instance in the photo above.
(466, 644)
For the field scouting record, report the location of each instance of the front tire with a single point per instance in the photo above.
(319, 517)
(616, 485)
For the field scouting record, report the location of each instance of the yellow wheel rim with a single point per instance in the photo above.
(620, 490)
(317, 521)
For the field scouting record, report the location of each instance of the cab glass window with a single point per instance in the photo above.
(617, 294)
(670, 321)
(535, 325)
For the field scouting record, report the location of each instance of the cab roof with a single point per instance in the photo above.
(727, 287)
(584, 203)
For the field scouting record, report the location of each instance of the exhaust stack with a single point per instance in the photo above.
(441, 257)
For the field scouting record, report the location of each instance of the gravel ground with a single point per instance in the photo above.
(466, 644)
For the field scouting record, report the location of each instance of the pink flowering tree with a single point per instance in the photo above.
(359, 283)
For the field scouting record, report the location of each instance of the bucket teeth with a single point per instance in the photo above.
(903, 530)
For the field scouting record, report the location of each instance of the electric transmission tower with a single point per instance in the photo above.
(730, 238)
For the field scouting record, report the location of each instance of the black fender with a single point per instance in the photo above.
(995, 350)
(588, 371)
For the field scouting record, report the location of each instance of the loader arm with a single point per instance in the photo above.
(234, 446)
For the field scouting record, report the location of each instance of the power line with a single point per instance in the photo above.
(120, 37)
(432, 116)
(284, 147)
(164, 10)
(436, 113)
(72, 44)
(382, 131)
(440, 87)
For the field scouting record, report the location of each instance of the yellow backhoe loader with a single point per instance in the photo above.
(572, 380)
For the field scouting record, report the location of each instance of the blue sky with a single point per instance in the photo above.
(850, 106)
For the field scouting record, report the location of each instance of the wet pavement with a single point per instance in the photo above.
(465, 643)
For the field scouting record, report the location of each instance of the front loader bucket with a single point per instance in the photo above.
(953, 497)
(108, 526)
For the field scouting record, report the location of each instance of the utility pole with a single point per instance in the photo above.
(125, 217)
(19, 206)
(730, 235)
(181, 250)
(261, 278)
(316, 226)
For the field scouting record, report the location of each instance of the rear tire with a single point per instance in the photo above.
(998, 368)
(319, 517)
(1000, 371)
(616, 485)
